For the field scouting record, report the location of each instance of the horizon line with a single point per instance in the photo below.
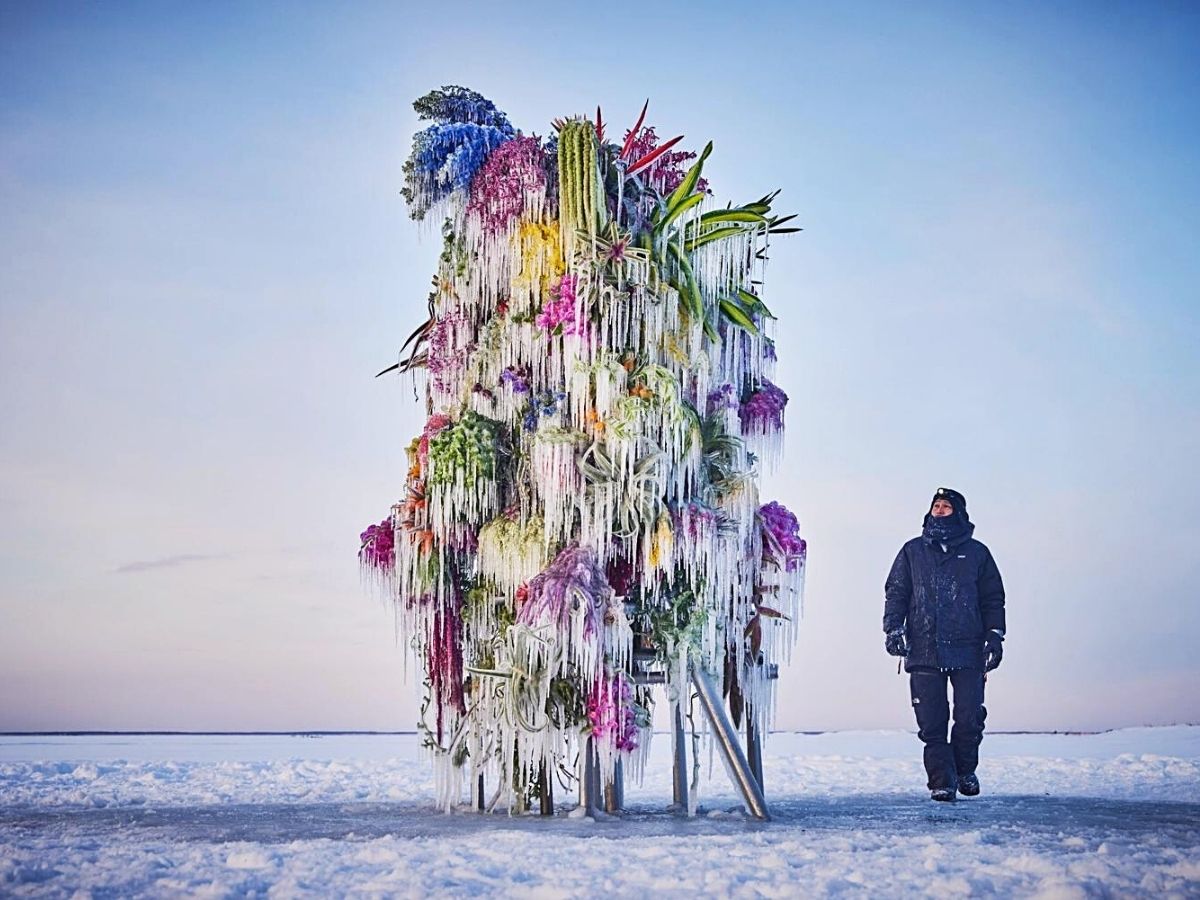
(322, 733)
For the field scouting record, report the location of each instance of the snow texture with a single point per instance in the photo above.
(1060, 816)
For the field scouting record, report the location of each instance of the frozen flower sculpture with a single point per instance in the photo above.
(597, 360)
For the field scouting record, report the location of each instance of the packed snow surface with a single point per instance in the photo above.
(1114, 814)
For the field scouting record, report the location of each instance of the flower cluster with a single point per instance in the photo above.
(621, 575)
(558, 314)
(782, 543)
(502, 185)
(722, 398)
(467, 449)
(378, 550)
(435, 424)
(666, 172)
(544, 402)
(762, 411)
(516, 378)
(574, 580)
(459, 104)
(696, 520)
(611, 713)
(446, 355)
(444, 159)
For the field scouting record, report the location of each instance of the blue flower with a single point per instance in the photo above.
(444, 158)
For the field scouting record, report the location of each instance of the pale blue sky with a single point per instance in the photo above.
(204, 258)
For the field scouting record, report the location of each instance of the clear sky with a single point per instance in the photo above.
(204, 259)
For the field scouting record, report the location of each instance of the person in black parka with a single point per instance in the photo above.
(944, 613)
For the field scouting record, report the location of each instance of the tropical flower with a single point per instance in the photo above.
(558, 314)
(666, 172)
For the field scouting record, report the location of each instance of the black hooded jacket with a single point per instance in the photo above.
(946, 595)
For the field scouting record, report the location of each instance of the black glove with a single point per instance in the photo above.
(895, 644)
(993, 650)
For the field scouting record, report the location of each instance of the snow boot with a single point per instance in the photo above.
(968, 785)
(943, 794)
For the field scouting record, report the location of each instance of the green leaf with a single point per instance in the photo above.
(690, 180)
(754, 303)
(731, 215)
(716, 234)
(734, 312)
(695, 303)
(676, 211)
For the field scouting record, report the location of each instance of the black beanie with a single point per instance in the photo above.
(957, 500)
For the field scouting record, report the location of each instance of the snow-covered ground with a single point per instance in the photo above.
(1115, 814)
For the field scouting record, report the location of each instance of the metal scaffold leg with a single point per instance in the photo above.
(754, 749)
(731, 749)
(589, 781)
(545, 792)
(679, 781)
(614, 791)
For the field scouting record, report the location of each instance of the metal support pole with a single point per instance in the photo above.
(731, 748)
(679, 779)
(589, 781)
(754, 748)
(546, 791)
(480, 802)
(614, 791)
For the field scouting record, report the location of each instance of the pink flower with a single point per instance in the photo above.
(611, 713)
(558, 313)
(499, 189)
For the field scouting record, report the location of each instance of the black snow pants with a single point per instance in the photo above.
(946, 762)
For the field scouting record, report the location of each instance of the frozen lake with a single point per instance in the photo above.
(1061, 815)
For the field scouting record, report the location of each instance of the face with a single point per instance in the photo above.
(942, 508)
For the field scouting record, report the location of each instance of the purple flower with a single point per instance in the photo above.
(762, 411)
(722, 398)
(574, 580)
(782, 543)
(611, 714)
(517, 379)
(378, 550)
(447, 350)
(513, 171)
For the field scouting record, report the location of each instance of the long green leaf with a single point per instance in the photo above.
(676, 211)
(691, 179)
(716, 234)
(737, 315)
(731, 215)
(695, 303)
(754, 303)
